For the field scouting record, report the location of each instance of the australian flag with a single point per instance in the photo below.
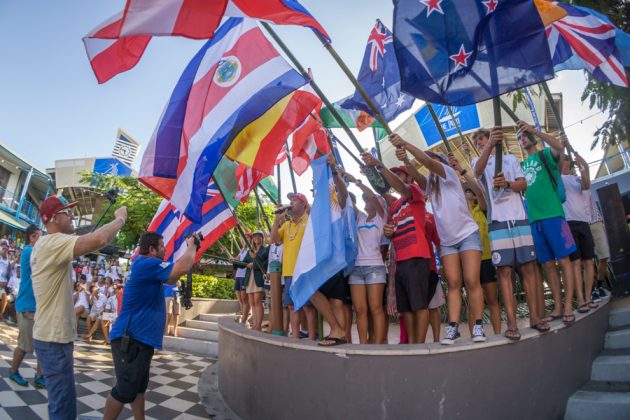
(380, 77)
(459, 52)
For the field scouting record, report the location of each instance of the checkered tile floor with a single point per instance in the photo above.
(172, 392)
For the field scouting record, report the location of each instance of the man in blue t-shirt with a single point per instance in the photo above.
(138, 329)
(25, 309)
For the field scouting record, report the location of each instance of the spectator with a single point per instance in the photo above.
(239, 286)
(578, 210)
(25, 308)
(138, 329)
(275, 266)
(55, 321)
(256, 260)
(115, 272)
(510, 235)
(4, 276)
(437, 300)
(550, 230)
(95, 318)
(602, 251)
(171, 296)
(81, 302)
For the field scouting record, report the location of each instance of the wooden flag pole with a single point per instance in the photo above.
(463, 138)
(374, 177)
(293, 184)
(268, 194)
(262, 209)
(498, 154)
(556, 113)
(515, 118)
(436, 120)
(279, 183)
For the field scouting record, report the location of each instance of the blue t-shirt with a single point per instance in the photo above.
(143, 301)
(25, 300)
(171, 291)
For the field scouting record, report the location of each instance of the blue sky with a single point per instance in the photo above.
(51, 106)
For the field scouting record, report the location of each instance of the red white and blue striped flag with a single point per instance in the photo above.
(231, 82)
(117, 44)
(216, 220)
(581, 40)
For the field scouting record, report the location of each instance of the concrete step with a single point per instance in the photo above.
(606, 386)
(197, 334)
(191, 346)
(202, 325)
(213, 317)
(619, 317)
(588, 405)
(618, 339)
(611, 368)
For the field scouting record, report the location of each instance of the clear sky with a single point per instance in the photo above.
(51, 106)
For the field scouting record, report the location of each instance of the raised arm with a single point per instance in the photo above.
(495, 136)
(391, 177)
(340, 186)
(369, 194)
(96, 240)
(557, 144)
(584, 172)
(401, 154)
(470, 180)
(185, 263)
(424, 159)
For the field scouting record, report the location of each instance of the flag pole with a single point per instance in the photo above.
(556, 114)
(268, 194)
(262, 209)
(374, 177)
(378, 146)
(463, 138)
(514, 118)
(291, 169)
(436, 121)
(279, 182)
(498, 154)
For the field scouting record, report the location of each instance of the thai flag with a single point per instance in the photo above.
(117, 44)
(231, 82)
(582, 40)
(217, 219)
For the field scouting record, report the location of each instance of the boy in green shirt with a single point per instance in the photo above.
(552, 236)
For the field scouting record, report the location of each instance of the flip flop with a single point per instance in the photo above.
(550, 318)
(592, 304)
(542, 327)
(512, 334)
(583, 308)
(568, 319)
(331, 342)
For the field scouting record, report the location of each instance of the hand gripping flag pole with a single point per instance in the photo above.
(376, 179)
(556, 114)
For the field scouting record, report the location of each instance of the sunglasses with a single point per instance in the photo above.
(67, 213)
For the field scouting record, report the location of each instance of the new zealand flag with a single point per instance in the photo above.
(459, 52)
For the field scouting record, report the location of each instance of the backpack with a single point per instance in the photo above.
(557, 185)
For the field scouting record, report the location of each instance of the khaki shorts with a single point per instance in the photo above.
(598, 230)
(172, 306)
(25, 321)
(251, 285)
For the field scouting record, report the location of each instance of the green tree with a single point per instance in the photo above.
(140, 201)
(613, 100)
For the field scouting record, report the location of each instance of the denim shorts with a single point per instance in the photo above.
(471, 242)
(368, 274)
(239, 284)
(286, 297)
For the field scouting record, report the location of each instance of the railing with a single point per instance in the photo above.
(10, 204)
(9, 200)
(596, 163)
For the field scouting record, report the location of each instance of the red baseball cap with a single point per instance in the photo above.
(299, 196)
(402, 169)
(53, 205)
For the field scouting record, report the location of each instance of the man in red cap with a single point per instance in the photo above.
(55, 322)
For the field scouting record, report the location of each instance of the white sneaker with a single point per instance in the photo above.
(478, 335)
(452, 334)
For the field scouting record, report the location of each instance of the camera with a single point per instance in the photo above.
(198, 237)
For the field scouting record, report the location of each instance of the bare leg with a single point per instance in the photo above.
(421, 321)
(554, 284)
(113, 408)
(540, 291)
(568, 277)
(579, 281)
(330, 314)
(589, 275)
(252, 304)
(360, 302)
(104, 328)
(453, 272)
(3, 304)
(471, 263)
(529, 280)
(95, 326)
(311, 321)
(285, 321)
(347, 321)
(375, 303)
(259, 310)
(601, 270)
(18, 356)
(490, 292)
(507, 293)
(168, 322)
(434, 320)
(175, 322)
(137, 407)
(246, 308)
(295, 322)
(410, 327)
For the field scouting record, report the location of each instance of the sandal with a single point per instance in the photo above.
(331, 342)
(568, 319)
(550, 318)
(512, 334)
(542, 327)
(583, 308)
(592, 304)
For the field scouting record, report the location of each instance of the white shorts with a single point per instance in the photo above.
(438, 297)
(598, 230)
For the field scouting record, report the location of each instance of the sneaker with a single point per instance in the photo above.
(478, 335)
(452, 334)
(602, 292)
(595, 297)
(40, 382)
(17, 378)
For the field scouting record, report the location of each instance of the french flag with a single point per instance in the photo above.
(217, 219)
(117, 44)
(231, 82)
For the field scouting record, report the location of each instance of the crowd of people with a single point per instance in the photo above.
(468, 228)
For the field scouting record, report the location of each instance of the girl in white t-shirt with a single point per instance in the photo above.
(367, 280)
(460, 243)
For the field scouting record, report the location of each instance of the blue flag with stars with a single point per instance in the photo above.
(380, 77)
(460, 52)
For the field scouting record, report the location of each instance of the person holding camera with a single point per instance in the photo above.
(137, 331)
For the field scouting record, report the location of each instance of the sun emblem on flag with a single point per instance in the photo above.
(334, 200)
(228, 71)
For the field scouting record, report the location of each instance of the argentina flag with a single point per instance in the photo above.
(323, 256)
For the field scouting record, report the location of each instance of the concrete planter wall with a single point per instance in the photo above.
(265, 377)
(208, 306)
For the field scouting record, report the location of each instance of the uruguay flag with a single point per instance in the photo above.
(323, 256)
(232, 81)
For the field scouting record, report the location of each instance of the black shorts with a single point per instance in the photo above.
(584, 244)
(414, 286)
(335, 287)
(488, 272)
(132, 370)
